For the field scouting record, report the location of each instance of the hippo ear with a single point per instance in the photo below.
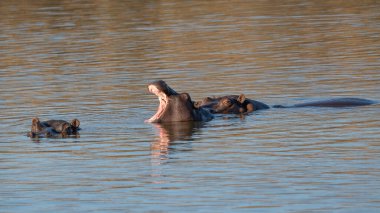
(35, 121)
(197, 104)
(36, 125)
(241, 98)
(185, 96)
(75, 123)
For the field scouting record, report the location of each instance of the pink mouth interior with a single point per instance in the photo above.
(162, 98)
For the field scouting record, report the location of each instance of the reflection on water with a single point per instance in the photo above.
(172, 138)
(169, 133)
(93, 59)
(38, 138)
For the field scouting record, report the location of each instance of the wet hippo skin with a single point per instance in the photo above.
(53, 128)
(174, 106)
(231, 104)
(180, 107)
(62, 126)
(335, 102)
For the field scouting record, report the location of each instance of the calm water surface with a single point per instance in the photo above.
(92, 60)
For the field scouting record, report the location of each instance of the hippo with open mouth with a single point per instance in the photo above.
(174, 106)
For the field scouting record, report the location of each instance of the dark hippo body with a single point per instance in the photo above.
(53, 128)
(234, 104)
(174, 106)
(335, 102)
(231, 104)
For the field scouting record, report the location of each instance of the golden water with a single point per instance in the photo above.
(92, 60)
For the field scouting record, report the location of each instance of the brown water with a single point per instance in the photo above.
(92, 60)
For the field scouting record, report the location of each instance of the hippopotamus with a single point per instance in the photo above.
(180, 107)
(231, 104)
(174, 106)
(234, 104)
(53, 128)
(334, 102)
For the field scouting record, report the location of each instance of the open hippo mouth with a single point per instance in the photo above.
(162, 91)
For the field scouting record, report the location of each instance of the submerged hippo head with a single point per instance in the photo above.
(174, 106)
(53, 128)
(231, 104)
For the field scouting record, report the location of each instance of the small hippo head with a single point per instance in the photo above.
(174, 106)
(231, 105)
(53, 128)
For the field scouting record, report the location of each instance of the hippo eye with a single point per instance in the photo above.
(227, 102)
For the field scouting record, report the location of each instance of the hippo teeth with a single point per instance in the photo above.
(162, 104)
(160, 111)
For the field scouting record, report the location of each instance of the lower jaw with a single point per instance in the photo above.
(152, 120)
(156, 117)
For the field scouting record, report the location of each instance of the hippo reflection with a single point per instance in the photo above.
(174, 106)
(53, 128)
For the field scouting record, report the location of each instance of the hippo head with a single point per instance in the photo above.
(53, 128)
(174, 106)
(230, 105)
